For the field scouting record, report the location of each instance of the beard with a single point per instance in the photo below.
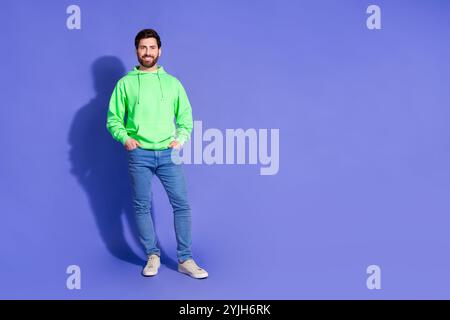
(148, 63)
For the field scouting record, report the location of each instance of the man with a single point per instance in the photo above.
(152, 99)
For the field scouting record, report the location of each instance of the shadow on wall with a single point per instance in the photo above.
(100, 165)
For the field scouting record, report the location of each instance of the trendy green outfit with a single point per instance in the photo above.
(152, 101)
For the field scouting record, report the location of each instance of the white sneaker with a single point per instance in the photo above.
(190, 268)
(151, 268)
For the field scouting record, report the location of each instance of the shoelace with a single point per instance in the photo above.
(151, 261)
(194, 265)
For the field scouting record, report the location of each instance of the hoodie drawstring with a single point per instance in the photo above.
(160, 87)
(139, 90)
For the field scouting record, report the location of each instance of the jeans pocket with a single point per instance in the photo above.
(174, 155)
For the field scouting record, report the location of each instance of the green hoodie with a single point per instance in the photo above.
(151, 100)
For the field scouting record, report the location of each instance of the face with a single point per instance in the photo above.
(148, 52)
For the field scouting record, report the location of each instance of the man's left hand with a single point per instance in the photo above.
(175, 144)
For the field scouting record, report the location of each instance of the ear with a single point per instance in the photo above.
(159, 53)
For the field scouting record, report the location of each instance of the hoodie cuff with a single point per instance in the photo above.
(181, 140)
(124, 139)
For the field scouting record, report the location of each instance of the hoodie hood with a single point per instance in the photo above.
(139, 73)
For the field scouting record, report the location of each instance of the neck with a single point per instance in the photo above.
(154, 68)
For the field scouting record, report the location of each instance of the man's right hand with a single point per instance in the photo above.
(131, 144)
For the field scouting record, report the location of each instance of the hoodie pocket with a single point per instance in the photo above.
(154, 133)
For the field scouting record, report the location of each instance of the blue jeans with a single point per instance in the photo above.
(142, 165)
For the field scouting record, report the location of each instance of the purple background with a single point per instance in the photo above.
(364, 149)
